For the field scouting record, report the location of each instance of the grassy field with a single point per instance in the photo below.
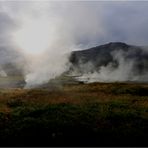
(97, 114)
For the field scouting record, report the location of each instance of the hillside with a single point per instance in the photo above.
(112, 56)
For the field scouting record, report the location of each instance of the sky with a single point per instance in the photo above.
(89, 22)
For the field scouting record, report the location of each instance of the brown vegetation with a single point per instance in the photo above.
(113, 112)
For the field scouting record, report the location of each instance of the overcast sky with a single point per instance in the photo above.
(87, 23)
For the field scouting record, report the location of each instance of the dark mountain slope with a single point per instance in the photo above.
(113, 55)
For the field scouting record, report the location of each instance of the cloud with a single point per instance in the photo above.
(126, 22)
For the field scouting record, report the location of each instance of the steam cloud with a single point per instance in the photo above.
(73, 25)
(125, 70)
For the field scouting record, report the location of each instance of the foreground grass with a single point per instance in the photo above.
(97, 114)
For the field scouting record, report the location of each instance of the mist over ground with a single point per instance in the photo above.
(37, 38)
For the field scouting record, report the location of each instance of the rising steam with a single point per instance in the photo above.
(46, 36)
(110, 73)
(38, 37)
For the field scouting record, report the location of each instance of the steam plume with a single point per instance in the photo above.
(72, 25)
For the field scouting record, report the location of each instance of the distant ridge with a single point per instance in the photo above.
(110, 54)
